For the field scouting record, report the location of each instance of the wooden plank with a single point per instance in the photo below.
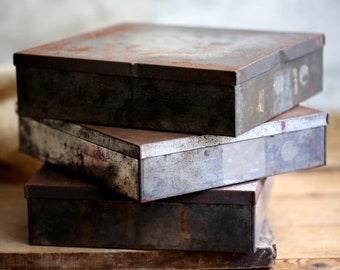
(19, 167)
(314, 209)
(307, 183)
(124, 259)
(300, 264)
(307, 241)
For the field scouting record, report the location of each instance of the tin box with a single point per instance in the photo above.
(65, 210)
(170, 78)
(150, 165)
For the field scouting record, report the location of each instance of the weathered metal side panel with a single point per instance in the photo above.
(277, 91)
(121, 223)
(164, 104)
(125, 102)
(141, 226)
(112, 169)
(204, 168)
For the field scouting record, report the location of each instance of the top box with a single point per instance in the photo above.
(183, 79)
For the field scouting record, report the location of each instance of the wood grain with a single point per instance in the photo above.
(299, 264)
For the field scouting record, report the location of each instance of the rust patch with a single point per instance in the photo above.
(96, 153)
(184, 223)
(81, 49)
(283, 126)
(295, 80)
(260, 106)
(88, 228)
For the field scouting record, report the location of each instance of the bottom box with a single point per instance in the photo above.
(66, 211)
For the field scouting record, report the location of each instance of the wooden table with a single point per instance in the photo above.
(304, 213)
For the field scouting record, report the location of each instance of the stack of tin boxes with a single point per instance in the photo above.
(162, 137)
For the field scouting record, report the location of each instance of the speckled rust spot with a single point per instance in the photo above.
(184, 223)
(283, 125)
(83, 49)
(88, 231)
(260, 106)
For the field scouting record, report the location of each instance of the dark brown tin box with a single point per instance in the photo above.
(183, 79)
(66, 211)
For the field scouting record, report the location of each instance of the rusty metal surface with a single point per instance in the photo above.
(115, 170)
(169, 78)
(150, 103)
(193, 163)
(223, 56)
(108, 221)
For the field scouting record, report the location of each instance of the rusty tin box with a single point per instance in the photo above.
(150, 165)
(64, 210)
(170, 78)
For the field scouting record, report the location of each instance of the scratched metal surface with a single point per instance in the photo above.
(204, 168)
(226, 56)
(82, 220)
(182, 172)
(115, 170)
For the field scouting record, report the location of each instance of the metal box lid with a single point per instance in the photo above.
(142, 144)
(202, 55)
(53, 182)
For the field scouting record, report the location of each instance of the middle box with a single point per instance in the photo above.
(149, 165)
